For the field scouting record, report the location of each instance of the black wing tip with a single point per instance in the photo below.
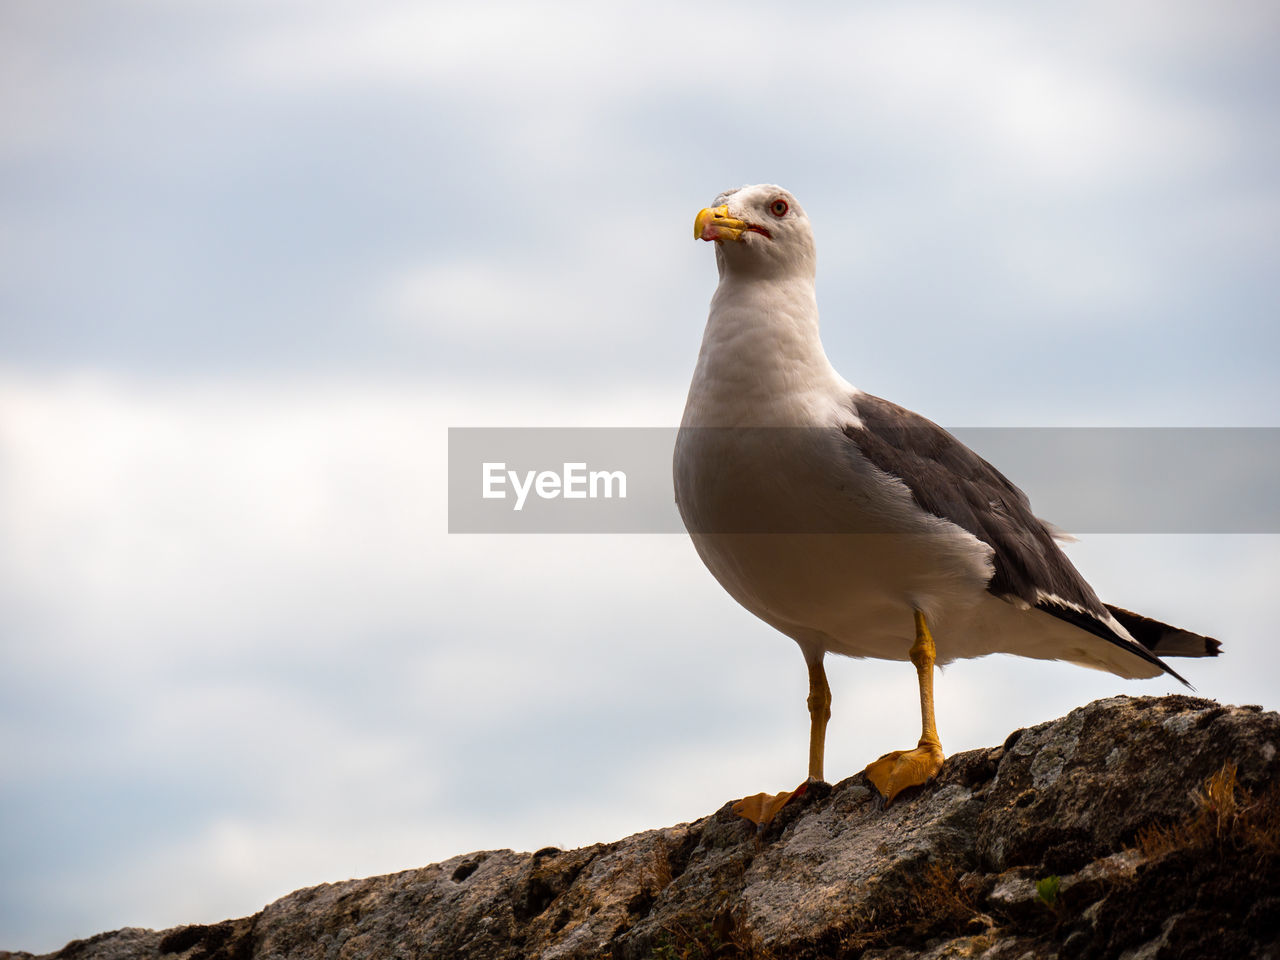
(1090, 623)
(1163, 639)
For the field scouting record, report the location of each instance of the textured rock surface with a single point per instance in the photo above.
(1092, 836)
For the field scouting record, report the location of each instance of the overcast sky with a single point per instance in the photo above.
(257, 257)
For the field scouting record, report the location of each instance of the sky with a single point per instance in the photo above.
(256, 259)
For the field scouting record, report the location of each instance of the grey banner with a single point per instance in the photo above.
(1084, 480)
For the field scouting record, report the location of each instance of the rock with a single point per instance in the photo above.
(1097, 835)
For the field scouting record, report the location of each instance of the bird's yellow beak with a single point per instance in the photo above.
(716, 224)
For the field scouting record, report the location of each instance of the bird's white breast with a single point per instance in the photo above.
(833, 558)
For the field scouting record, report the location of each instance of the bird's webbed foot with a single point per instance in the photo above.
(761, 808)
(896, 771)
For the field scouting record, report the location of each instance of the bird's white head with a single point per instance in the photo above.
(758, 230)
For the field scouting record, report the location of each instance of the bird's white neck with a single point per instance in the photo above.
(762, 361)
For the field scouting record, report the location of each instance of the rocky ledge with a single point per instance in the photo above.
(1134, 828)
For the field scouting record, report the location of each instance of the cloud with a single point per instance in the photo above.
(257, 189)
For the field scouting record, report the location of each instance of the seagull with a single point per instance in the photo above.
(855, 526)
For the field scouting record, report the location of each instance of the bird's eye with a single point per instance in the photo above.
(779, 208)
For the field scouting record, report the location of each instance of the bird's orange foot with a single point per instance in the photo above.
(763, 807)
(896, 771)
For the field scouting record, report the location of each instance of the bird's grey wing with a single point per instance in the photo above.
(950, 481)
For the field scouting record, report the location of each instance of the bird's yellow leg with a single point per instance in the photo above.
(763, 807)
(896, 771)
(819, 713)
